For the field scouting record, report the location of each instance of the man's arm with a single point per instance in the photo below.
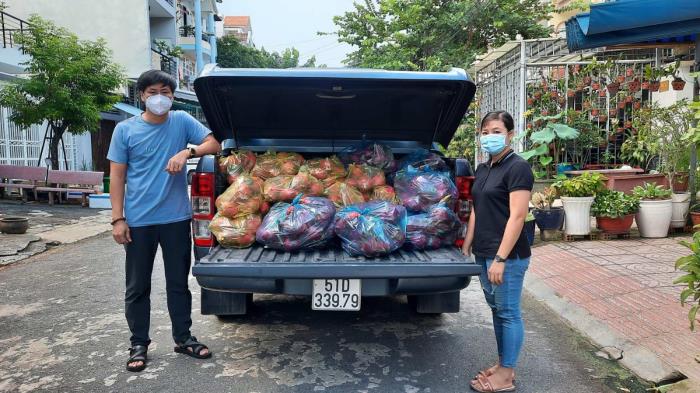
(209, 146)
(179, 160)
(120, 231)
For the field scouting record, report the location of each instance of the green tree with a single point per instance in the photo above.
(70, 82)
(463, 143)
(232, 54)
(434, 35)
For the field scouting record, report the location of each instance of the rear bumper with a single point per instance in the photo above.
(379, 279)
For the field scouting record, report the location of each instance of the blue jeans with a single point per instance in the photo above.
(504, 301)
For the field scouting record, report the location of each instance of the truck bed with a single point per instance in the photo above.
(333, 262)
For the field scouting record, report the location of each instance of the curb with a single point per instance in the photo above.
(637, 358)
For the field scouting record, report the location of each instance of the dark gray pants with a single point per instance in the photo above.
(175, 244)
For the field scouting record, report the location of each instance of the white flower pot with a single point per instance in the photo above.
(654, 218)
(577, 215)
(681, 205)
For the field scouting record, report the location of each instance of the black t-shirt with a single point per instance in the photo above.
(491, 194)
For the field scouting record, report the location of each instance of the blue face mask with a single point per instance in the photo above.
(493, 143)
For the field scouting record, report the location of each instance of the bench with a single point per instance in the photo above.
(31, 174)
(75, 181)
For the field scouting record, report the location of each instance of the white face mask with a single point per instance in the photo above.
(158, 104)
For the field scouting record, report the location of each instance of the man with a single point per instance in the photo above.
(148, 155)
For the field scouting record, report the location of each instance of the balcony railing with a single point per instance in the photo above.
(188, 31)
(166, 63)
(10, 26)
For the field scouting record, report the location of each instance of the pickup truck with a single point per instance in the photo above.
(318, 112)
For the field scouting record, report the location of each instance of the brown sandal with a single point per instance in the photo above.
(487, 387)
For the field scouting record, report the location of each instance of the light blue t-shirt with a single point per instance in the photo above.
(153, 196)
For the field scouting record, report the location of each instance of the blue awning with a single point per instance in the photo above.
(634, 21)
(128, 109)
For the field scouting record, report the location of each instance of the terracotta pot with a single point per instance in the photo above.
(537, 95)
(14, 225)
(613, 112)
(695, 218)
(603, 118)
(544, 85)
(561, 100)
(634, 86)
(587, 80)
(620, 79)
(571, 94)
(530, 102)
(553, 94)
(629, 99)
(629, 72)
(678, 84)
(637, 105)
(628, 124)
(654, 85)
(613, 87)
(612, 138)
(645, 85)
(615, 226)
(621, 104)
(595, 85)
(680, 181)
(594, 112)
(620, 130)
(602, 93)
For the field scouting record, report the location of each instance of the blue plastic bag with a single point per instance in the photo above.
(305, 223)
(434, 229)
(371, 229)
(419, 190)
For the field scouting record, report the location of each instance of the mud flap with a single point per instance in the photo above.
(225, 303)
(435, 303)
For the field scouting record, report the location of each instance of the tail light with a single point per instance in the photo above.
(464, 186)
(202, 208)
(464, 178)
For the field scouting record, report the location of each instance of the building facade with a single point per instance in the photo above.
(239, 27)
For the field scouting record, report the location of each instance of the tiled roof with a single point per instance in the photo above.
(236, 21)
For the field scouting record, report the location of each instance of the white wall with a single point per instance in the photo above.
(164, 29)
(669, 97)
(124, 24)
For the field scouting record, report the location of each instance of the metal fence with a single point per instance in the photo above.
(21, 146)
(9, 26)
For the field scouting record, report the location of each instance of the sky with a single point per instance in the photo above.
(279, 24)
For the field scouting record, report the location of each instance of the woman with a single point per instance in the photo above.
(501, 195)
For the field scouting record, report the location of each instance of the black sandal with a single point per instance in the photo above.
(137, 353)
(193, 348)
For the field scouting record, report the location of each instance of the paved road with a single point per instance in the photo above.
(62, 329)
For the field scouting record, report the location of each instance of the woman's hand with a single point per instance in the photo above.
(467, 249)
(496, 272)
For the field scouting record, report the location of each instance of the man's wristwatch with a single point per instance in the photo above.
(193, 152)
(499, 258)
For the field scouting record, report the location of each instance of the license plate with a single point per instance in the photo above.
(336, 295)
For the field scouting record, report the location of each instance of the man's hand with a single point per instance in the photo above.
(496, 272)
(121, 233)
(178, 162)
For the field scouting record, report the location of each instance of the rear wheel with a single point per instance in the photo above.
(435, 303)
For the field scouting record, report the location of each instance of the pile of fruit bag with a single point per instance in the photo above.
(304, 183)
(418, 190)
(237, 163)
(371, 229)
(242, 197)
(365, 177)
(279, 188)
(328, 170)
(423, 159)
(384, 193)
(307, 222)
(373, 154)
(342, 194)
(434, 229)
(235, 232)
(271, 164)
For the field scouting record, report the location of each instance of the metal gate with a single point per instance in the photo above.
(21, 146)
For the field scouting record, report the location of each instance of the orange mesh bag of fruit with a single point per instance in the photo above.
(343, 195)
(279, 189)
(237, 163)
(242, 197)
(235, 232)
(365, 177)
(304, 183)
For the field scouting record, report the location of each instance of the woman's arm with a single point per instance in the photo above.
(469, 237)
(519, 203)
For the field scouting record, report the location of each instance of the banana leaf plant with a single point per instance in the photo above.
(548, 139)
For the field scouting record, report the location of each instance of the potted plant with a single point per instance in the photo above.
(551, 133)
(655, 210)
(695, 215)
(691, 265)
(672, 71)
(547, 217)
(614, 211)
(577, 195)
